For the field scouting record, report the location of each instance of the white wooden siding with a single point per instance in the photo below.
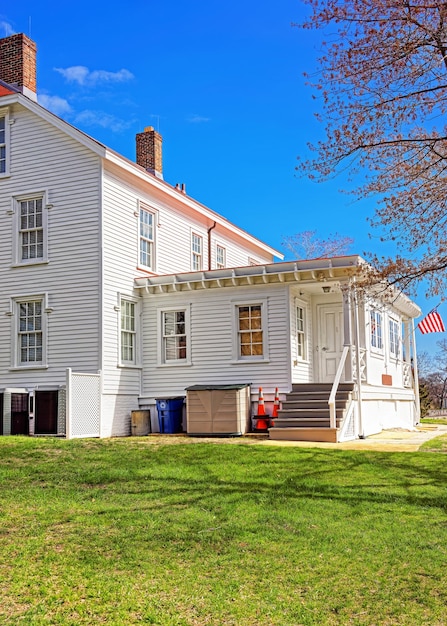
(44, 158)
(302, 370)
(212, 315)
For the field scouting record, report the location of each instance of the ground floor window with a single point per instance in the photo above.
(174, 336)
(250, 331)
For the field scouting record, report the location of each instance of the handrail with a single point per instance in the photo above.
(331, 401)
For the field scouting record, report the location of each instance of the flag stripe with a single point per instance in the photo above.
(432, 323)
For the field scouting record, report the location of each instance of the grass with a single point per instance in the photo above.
(124, 532)
(434, 420)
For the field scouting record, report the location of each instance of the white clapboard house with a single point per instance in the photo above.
(117, 288)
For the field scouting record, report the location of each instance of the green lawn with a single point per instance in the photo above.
(124, 532)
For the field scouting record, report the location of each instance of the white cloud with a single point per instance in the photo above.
(105, 120)
(55, 104)
(6, 28)
(197, 119)
(83, 76)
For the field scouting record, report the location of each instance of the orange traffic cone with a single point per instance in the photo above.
(261, 417)
(275, 407)
(261, 405)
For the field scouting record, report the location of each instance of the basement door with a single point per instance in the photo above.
(330, 340)
(45, 412)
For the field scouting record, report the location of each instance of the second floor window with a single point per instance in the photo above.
(220, 257)
(197, 252)
(31, 231)
(147, 220)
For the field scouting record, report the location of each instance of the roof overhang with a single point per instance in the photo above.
(308, 273)
(291, 272)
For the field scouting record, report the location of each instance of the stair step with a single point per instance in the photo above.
(302, 422)
(311, 404)
(306, 387)
(309, 412)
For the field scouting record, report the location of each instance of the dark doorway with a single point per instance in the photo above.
(45, 413)
(1, 414)
(19, 414)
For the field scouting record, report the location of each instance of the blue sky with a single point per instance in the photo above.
(222, 82)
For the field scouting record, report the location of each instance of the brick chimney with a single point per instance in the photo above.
(18, 63)
(149, 153)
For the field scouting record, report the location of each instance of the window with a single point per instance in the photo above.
(252, 261)
(250, 333)
(221, 254)
(394, 338)
(174, 336)
(31, 229)
(300, 333)
(147, 234)
(376, 329)
(128, 336)
(28, 339)
(196, 249)
(30, 215)
(4, 142)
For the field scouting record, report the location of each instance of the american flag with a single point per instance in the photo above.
(432, 323)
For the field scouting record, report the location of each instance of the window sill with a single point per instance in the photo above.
(22, 368)
(176, 364)
(130, 366)
(31, 263)
(5, 175)
(249, 361)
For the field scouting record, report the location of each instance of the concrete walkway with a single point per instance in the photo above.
(395, 440)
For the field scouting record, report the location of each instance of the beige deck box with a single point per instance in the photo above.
(218, 410)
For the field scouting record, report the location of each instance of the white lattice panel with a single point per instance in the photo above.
(85, 405)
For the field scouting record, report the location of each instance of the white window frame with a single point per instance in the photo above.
(162, 336)
(302, 333)
(196, 252)
(376, 330)
(221, 257)
(252, 261)
(123, 301)
(17, 332)
(143, 209)
(5, 144)
(394, 337)
(237, 356)
(19, 232)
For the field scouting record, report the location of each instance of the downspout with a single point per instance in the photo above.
(358, 368)
(417, 400)
(209, 243)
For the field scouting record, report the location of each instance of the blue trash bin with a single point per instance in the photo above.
(170, 414)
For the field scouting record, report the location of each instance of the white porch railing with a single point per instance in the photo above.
(333, 394)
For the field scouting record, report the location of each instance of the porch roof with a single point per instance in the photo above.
(332, 272)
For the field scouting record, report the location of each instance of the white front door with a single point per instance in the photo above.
(330, 340)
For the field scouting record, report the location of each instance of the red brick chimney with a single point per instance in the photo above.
(149, 153)
(18, 63)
